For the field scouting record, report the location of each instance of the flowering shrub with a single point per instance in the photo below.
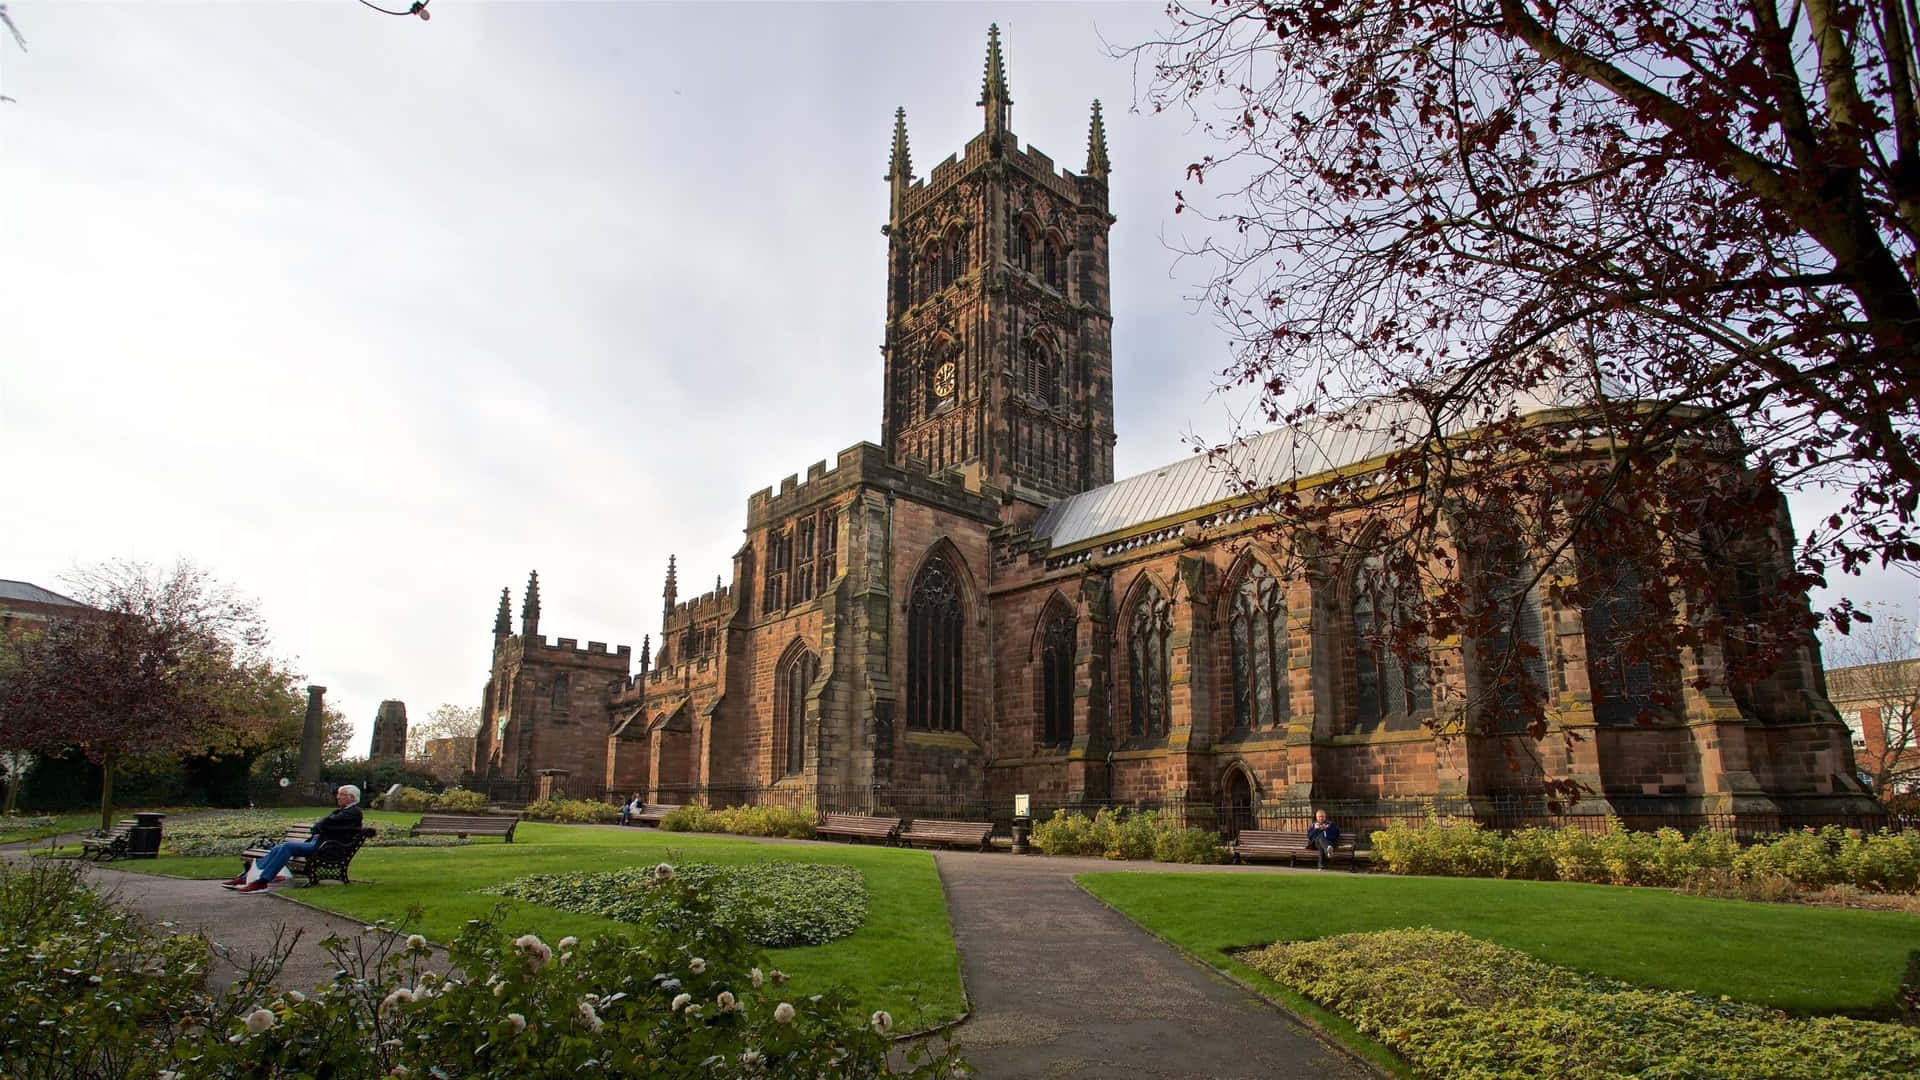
(691, 817)
(575, 811)
(227, 833)
(1120, 834)
(1709, 860)
(788, 821)
(460, 801)
(92, 994)
(1453, 1006)
(775, 904)
(84, 979)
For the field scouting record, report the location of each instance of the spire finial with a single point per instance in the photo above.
(502, 619)
(673, 585)
(900, 162)
(646, 653)
(1097, 164)
(993, 87)
(530, 607)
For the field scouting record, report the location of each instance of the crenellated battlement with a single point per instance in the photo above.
(710, 603)
(866, 464)
(1031, 161)
(571, 647)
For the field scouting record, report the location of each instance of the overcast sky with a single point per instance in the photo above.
(369, 316)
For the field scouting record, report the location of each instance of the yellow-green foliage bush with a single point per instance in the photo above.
(460, 801)
(792, 822)
(408, 799)
(1808, 859)
(690, 818)
(1119, 834)
(1453, 1006)
(572, 811)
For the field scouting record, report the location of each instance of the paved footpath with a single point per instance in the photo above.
(1061, 987)
(1065, 988)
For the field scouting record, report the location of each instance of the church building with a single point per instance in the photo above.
(973, 607)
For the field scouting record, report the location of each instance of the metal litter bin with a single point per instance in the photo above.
(143, 842)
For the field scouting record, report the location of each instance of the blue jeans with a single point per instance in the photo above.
(276, 857)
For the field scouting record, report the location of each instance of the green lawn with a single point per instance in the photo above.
(1801, 959)
(903, 954)
(73, 823)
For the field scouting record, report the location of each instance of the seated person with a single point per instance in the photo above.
(1322, 835)
(630, 808)
(342, 825)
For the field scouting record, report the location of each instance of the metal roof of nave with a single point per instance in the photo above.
(1368, 431)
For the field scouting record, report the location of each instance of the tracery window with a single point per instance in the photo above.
(1258, 625)
(789, 741)
(934, 624)
(1149, 633)
(803, 559)
(956, 255)
(779, 560)
(1623, 682)
(1391, 688)
(1024, 241)
(560, 689)
(829, 547)
(1056, 675)
(1513, 661)
(933, 270)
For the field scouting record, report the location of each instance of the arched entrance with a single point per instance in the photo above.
(1237, 802)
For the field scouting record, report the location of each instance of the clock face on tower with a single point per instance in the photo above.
(943, 380)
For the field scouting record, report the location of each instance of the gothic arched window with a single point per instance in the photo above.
(1041, 382)
(1621, 678)
(934, 625)
(956, 255)
(1390, 683)
(1512, 658)
(1261, 694)
(560, 688)
(932, 270)
(1053, 264)
(790, 712)
(1149, 633)
(1056, 676)
(1025, 239)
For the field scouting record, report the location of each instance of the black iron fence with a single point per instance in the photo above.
(1355, 816)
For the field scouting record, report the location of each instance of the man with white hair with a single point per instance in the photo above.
(342, 825)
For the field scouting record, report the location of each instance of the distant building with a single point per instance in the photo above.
(24, 605)
(1878, 704)
(389, 731)
(447, 759)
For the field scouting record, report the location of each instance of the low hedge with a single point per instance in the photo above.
(1120, 834)
(793, 823)
(1808, 859)
(1463, 1009)
(775, 904)
(235, 831)
(573, 811)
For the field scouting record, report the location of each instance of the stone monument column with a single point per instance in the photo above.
(310, 736)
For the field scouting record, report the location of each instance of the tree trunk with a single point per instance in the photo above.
(106, 794)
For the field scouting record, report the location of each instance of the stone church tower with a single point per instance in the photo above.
(999, 338)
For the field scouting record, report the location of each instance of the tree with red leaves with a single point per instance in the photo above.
(167, 663)
(1601, 277)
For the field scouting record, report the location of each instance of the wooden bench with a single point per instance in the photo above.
(1276, 844)
(106, 845)
(858, 827)
(652, 813)
(329, 860)
(947, 833)
(465, 825)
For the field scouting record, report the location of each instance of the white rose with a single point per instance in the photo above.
(680, 1001)
(783, 1013)
(697, 965)
(259, 1020)
(516, 1023)
(882, 1021)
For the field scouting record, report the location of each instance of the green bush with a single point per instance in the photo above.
(409, 800)
(572, 811)
(689, 818)
(1709, 861)
(460, 801)
(793, 822)
(778, 905)
(95, 995)
(1120, 834)
(226, 833)
(1453, 1006)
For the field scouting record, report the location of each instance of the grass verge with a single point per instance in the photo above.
(902, 957)
(1803, 960)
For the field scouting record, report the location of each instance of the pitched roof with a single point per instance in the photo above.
(31, 593)
(1369, 430)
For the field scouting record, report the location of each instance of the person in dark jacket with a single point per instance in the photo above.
(1322, 835)
(342, 825)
